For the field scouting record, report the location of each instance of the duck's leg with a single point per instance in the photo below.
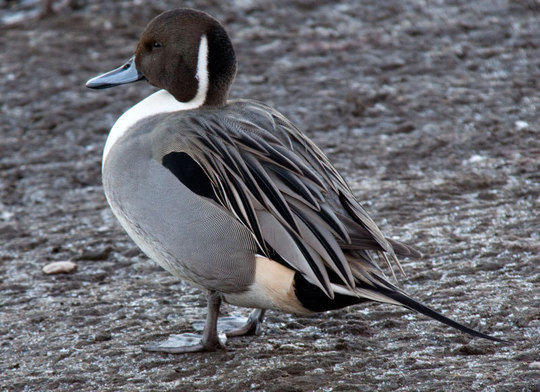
(251, 327)
(234, 326)
(189, 342)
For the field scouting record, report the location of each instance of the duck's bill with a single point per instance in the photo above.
(127, 73)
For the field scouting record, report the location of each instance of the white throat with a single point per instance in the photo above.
(161, 102)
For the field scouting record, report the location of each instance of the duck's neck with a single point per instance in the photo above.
(220, 66)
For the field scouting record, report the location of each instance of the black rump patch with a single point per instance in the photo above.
(314, 299)
(189, 173)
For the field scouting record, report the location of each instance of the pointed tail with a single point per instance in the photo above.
(410, 303)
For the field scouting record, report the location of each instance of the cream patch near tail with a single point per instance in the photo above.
(272, 288)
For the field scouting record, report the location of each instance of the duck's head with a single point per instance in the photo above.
(184, 51)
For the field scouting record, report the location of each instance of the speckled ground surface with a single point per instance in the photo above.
(430, 109)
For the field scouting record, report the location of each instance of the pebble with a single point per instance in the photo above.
(60, 267)
(520, 125)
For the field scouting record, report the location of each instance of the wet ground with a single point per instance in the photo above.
(430, 109)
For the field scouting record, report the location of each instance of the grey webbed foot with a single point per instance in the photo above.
(188, 342)
(252, 325)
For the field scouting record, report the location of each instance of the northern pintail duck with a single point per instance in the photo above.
(230, 196)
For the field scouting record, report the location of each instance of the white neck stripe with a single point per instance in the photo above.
(162, 102)
(202, 74)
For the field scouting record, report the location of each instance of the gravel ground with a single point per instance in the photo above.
(430, 109)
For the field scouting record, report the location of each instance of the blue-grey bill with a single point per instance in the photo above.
(127, 73)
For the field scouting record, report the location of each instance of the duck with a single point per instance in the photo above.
(231, 197)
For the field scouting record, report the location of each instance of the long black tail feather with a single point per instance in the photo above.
(417, 306)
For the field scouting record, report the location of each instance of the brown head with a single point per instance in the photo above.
(184, 51)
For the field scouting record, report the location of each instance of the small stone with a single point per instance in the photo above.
(534, 365)
(520, 125)
(291, 347)
(102, 336)
(60, 267)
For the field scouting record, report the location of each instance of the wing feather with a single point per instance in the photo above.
(282, 187)
(293, 251)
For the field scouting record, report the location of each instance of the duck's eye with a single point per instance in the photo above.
(156, 45)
